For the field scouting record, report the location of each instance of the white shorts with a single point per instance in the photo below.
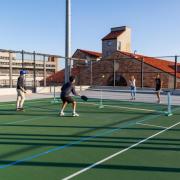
(20, 93)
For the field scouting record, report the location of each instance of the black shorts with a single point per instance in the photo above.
(158, 88)
(67, 99)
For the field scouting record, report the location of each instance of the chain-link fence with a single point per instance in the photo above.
(116, 71)
(38, 67)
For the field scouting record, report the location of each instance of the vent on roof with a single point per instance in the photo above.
(122, 28)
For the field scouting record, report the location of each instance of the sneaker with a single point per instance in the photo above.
(21, 109)
(75, 115)
(61, 114)
(18, 109)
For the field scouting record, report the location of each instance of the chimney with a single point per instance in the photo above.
(119, 39)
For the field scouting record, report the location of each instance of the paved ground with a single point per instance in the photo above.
(141, 97)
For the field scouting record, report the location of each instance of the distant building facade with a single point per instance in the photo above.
(11, 64)
(116, 64)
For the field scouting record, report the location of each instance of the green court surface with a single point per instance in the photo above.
(120, 141)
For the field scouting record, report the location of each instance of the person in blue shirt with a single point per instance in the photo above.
(66, 98)
(21, 90)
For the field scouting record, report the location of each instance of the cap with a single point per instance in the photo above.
(22, 72)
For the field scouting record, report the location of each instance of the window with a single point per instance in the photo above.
(119, 45)
(109, 43)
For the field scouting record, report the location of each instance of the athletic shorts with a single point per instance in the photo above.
(20, 93)
(158, 88)
(67, 99)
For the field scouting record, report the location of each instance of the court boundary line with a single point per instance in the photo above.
(30, 119)
(14, 122)
(31, 101)
(84, 139)
(121, 107)
(78, 141)
(118, 153)
(151, 125)
(89, 103)
(26, 120)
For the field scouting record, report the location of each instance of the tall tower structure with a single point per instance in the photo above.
(119, 39)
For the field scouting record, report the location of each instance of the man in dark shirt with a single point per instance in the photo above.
(158, 84)
(21, 90)
(66, 90)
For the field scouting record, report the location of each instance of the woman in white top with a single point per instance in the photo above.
(132, 82)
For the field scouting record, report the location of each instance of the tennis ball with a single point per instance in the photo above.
(103, 76)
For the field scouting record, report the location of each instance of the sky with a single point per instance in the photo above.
(39, 25)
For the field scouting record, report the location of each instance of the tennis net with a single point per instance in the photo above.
(145, 100)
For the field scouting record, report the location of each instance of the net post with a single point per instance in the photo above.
(54, 92)
(55, 100)
(169, 111)
(101, 101)
(101, 98)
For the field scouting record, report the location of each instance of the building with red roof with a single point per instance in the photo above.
(116, 64)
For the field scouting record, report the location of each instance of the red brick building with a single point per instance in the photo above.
(116, 64)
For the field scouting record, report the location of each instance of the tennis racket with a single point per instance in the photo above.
(84, 98)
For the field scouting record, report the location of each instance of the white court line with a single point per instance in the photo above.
(26, 120)
(151, 125)
(118, 153)
(14, 122)
(28, 101)
(121, 107)
(6, 105)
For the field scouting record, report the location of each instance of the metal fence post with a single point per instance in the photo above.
(114, 73)
(91, 80)
(68, 40)
(34, 72)
(142, 73)
(22, 59)
(70, 64)
(10, 70)
(44, 62)
(175, 73)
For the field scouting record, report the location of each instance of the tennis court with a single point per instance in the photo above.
(121, 140)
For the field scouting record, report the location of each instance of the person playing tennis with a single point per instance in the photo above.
(132, 82)
(66, 90)
(21, 90)
(158, 84)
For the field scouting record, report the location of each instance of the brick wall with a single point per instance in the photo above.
(125, 68)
